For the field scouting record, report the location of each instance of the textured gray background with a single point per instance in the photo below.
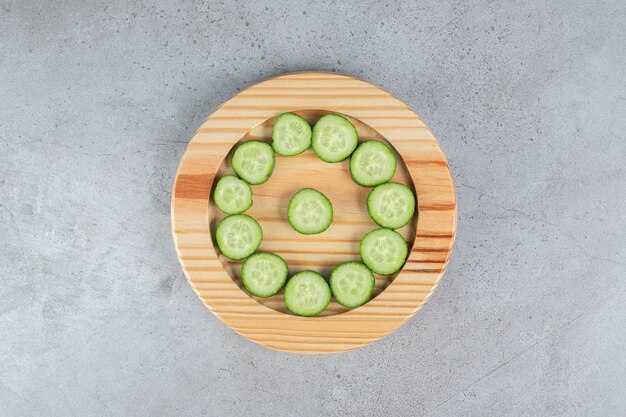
(97, 103)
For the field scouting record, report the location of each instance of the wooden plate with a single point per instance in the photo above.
(376, 115)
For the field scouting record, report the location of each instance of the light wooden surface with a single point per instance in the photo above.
(377, 115)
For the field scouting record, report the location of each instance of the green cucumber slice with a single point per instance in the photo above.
(307, 293)
(254, 161)
(372, 163)
(232, 195)
(291, 134)
(334, 138)
(238, 236)
(264, 274)
(384, 251)
(391, 205)
(352, 284)
(309, 212)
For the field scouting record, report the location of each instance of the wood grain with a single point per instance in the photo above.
(249, 116)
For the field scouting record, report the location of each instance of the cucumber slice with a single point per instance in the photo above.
(391, 205)
(334, 138)
(384, 251)
(309, 212)
(291, 135)
(352, 284)
(238, 236)
(372, 163)
(254, 161)
(232, 195)
(264, 274)
(307, 293)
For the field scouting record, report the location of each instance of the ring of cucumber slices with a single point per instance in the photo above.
(372, 164)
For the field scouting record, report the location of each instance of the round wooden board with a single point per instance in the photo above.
(377, 115)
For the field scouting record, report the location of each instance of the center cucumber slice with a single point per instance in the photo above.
(391, 205)
(384, 251)
(254, 161)
(372, 163)
(309, 212)
(264, 274)
(334, 138)
(238, 236)
(291, 134)
(352, 284)
(307, 294)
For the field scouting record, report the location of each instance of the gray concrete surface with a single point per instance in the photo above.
(97, 102)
